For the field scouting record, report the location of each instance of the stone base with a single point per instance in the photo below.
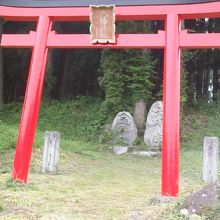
(119, 150)
(166, 199)
(147, 153)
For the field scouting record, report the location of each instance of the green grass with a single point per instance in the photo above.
(92, 183)
(78, 121)
(96, 185)
(198, 122)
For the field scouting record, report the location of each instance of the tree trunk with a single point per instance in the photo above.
(49, 78)
(62, 78)
(199, 83)
(1, 67)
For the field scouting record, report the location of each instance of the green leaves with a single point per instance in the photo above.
(127, 76)
(141, 69)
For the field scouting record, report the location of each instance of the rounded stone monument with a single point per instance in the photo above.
(153, 131)
(124, 129)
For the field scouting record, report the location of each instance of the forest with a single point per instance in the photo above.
(120, 77)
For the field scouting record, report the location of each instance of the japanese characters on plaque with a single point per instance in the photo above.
(102, 28)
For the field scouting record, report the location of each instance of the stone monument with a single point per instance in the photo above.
(124, 130)
(153, 131)
(139, 115)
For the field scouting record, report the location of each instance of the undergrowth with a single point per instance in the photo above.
(82, 124)
(197, 122)
(79, 122)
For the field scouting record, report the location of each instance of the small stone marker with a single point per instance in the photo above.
(51, 152)
(210, 159)
(124, 129)
(153, 132)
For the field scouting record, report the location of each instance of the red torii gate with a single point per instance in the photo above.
(172, 39)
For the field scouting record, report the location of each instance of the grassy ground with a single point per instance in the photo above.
(94, 186)
(92, 183)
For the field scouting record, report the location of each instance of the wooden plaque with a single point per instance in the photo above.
(102, 28)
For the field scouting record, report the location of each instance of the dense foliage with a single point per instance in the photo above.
(121, 77)
(78, 121)
(81, 123)
(126, 78)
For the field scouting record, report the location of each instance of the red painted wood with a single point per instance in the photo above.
(203, 41)
(31, 103)
(18, 40)
(122, 13)
(171, 103)
(122, 41)
(153, 41)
